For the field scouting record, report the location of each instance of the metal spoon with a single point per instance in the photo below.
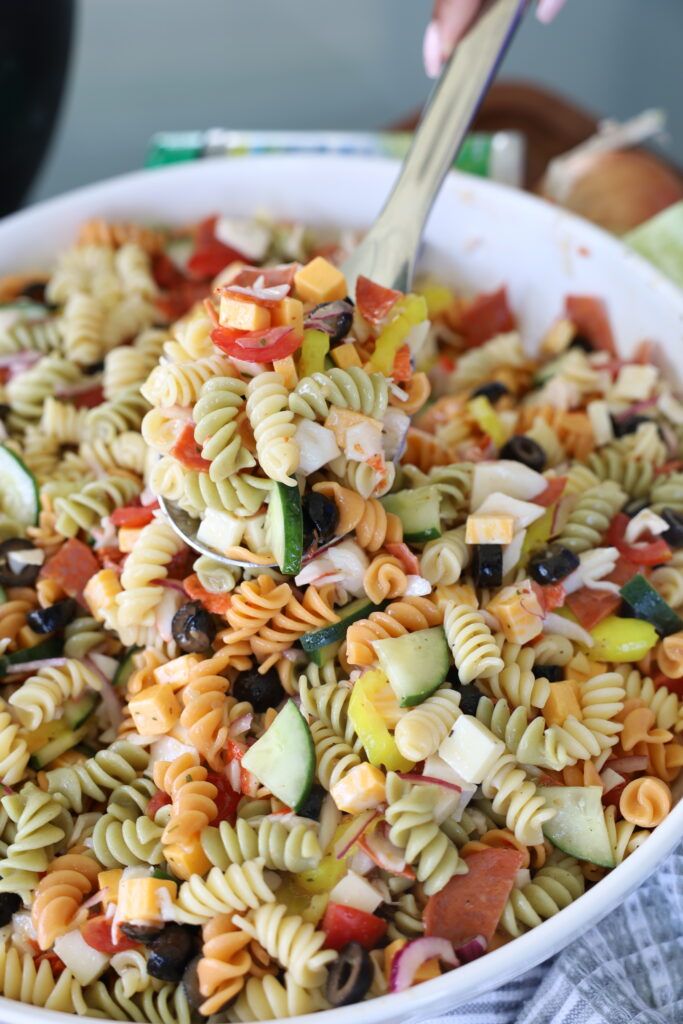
(389, 250)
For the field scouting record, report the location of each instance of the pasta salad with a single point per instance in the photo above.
(440, 701)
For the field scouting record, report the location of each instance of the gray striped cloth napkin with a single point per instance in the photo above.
(626, 970)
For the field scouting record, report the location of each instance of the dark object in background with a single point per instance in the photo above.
(35, 42)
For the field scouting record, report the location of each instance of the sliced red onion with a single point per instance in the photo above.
(19, 362)
(565, 627)
(240, 725)
(170, 585)
(35, 666)
(610, 779)
(78, 389)
(432, 780)
(353, 833)
(636, 408)
(360, 863)
(407, 962)
(383, 852)
(258, 290)
(234, 774)
(110, 700)
(635, 763)
(472, 950)
(97, 897)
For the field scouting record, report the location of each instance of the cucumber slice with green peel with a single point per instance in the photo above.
(648, 605)
(285, 528)
(76, 712)
(336, 631)
(418, 510)
(322, 655)
(415, 664)
(284, 758)
(55, 748)
(578, 827)
(19, 489)
(51, 648)
(126, 668)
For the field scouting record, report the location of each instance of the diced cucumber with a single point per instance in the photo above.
(56, 747)
(322, 655)
(648, 605)
(358, 609)
(19, 489)
(3, 595)
(415, 664)
(285, 528)
(51, 648)
(418, 510)
(284, 758)
(578, 827)
(126, 668)
(76, 712)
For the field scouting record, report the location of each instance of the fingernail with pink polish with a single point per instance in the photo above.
(432, 50)
(547, 9)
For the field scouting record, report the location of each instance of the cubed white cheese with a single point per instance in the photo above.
(355, 891)
(601, 422)
(451, 804)
(394, 429)
(512, 478)
(512, 552)
(85, 963)
(471, 749)
(635, 382)
(220, 530)
(363, 440)
(250, 238)
(317, 446)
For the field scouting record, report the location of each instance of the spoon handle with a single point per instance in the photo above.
(387, 253)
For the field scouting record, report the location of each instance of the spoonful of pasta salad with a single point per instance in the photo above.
(308, 387)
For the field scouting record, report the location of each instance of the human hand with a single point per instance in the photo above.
(452, 18)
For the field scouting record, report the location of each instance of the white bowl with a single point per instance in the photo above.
(479, 236)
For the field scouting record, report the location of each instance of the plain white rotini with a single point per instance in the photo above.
(443, 560)
(295, 944)
(420, 731)
(153, 550)
(82, 326)
(63, 422)
(474, 650)
(181, 383)
(40, 697)
(273, 426)
(241, 887)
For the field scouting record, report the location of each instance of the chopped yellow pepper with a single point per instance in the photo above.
(437, 296)
(487, 419)
(309, 906)
(314, 348)
(406, 313)
(379, 744)
(323, 878)
(622, 640)
(538, 533)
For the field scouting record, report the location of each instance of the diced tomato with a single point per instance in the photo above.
(402, 369)
(673, 685)
(612, 797)
(160, 799)
(217, 604)
(472, 904)
(166, 275)
(111, 558)
(343, 924)
(272, 276)
(56, 965)
(97, 933)
(552, 493)
(132, 516)
(226, 800)
(87, 399)
(485, 317)
(209, 255)
(446, 363)
(187, 451)
(652, 552)
(589, 315)
(592, 606)
(373, 300)
(174, 304)
(71, 567)
(405, 556)
(257, 346)
(235, 752)
(550, 595)
(673, 466)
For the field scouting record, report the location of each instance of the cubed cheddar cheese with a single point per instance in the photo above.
(289, 313)
(340, 421)
(459, 593)
(177, 672)
(108, 882)
(185, 861)
(320, 281)
(140, 899)
(243, 316)
(519, 613)
(155, 710)
(345, 356)
(100, 593)
(471, 750)
(489, 529)
(581, 668)
(425, 972)
(127, 537)
(287, 369)
(562, 702)
(363, 787)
